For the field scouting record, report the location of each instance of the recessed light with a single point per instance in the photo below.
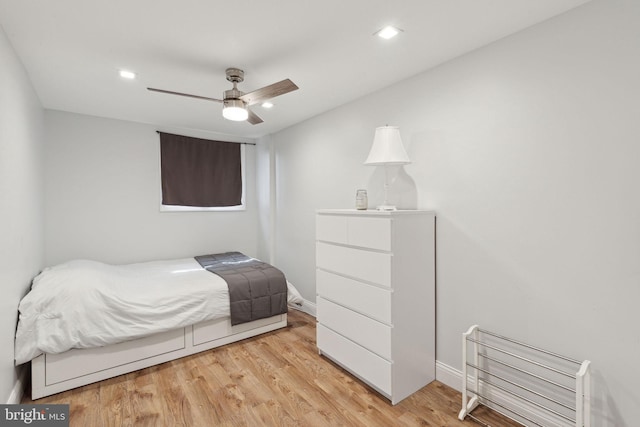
(126, 74)
(388, 32)
(267, 104)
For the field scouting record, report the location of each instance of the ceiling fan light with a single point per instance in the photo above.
(234, 109)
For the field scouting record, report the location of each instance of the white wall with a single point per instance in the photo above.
(528, 151)
(265, 195)
(21, 195)
(103, 197)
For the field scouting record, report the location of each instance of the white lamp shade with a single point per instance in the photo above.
(234, 109)
(387, 148)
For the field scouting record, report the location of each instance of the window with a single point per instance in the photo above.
(200, 174)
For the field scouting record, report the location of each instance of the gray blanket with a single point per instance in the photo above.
(256, 289)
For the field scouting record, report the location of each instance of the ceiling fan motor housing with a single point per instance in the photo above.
(235, 75)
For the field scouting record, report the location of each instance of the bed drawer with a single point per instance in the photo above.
(371, 368)
(219, 328)
(369, 333)
(364, 298)
(62, 367)
(369, 266)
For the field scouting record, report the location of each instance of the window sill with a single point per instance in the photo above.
(170, 208)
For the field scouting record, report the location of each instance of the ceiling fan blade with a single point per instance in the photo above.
(184, 94)
(253, 118)
(268, 92)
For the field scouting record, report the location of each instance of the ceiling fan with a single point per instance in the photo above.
(235, 102)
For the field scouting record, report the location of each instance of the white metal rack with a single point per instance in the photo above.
(529, 385)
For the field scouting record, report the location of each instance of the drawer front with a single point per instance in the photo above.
(366, 299)
(369, 333)
(366, 232)
(61, 367)
(331, 228)
(371, 368)
(373, 233)
(215, 329)
(368, 266)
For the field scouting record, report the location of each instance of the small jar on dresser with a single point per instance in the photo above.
(375, 282)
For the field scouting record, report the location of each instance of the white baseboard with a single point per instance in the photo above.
(449, 376)
(17, 392)
(306, 307)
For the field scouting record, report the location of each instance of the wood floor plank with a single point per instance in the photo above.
(116, 407)
(275, 379)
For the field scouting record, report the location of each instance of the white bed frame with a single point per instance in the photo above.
(54, 373)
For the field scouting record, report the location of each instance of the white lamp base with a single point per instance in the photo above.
(386, 208)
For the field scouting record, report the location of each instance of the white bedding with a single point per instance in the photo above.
(83, 304)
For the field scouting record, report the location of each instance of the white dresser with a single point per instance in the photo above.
(375, 282)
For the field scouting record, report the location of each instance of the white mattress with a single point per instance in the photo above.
(83, 304)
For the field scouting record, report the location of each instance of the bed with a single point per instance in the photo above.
(85, 321)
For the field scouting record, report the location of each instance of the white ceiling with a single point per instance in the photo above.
(72, 50)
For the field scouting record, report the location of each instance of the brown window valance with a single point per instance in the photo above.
(200, 172)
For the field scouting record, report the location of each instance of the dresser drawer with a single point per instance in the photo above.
(369, 333)
(368, 266)
(373, 233)
(332, 228)
(366, 299)
(366, 232)
(371, 368)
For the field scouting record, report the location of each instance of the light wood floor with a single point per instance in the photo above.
(276, 379)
